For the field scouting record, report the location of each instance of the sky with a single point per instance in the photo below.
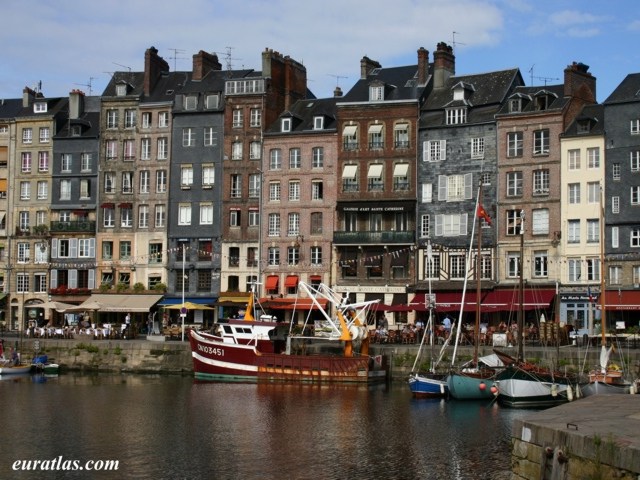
(78, 44)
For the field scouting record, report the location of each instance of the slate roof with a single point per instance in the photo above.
(401, 83)
(489, 92)
(627, 91)
(591, 114)
(303, 113)
(9, 108)
(558, 103)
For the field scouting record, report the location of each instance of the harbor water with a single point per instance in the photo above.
(170, 427)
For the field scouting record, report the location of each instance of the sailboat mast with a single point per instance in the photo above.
(476, 329)
(603, 311)
(521, 291)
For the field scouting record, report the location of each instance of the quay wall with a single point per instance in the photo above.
(174, 357)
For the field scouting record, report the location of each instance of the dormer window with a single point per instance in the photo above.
(515, 105)
(318, 123)
(121, 89)
(286, 125)
(190, 102)
(40, 107)
(376, 93)
(583, 126)
(212, 101)
(542, 102)
(456, 116)
(76, 130)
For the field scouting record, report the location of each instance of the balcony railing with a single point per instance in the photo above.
(74, 226)
(373, 237)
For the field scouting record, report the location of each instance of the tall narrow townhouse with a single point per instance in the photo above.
(529, 184)
(9, 109)
(376, 206)
(135, 146)
(298, 206)
(458, 175)
(70, 237)
(578, 258)
(195, 184)
(622, 203)
(39, 120)
(253, 100)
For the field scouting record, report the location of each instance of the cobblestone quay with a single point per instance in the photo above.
(597, 437)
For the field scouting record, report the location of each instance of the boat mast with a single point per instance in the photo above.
(476, 330)
(603, 312)
(521, 291)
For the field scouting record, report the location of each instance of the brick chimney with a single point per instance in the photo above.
(423, 65)
(287, 76)
(444, 65)
(367, 65)
(337, 92)
(578, 82)
(154, 66)
(76, 104)
(28, 96)
(203, 63)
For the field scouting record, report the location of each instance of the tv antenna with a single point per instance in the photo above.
(175, 51)
(337, 77)
(453, 41)
(543, 79)
(88, 85)
(228, 58)
(123, 66)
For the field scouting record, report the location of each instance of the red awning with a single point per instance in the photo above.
(622, 300)
(507, 300)
(291, 281)
(292, 303)
(272, 282)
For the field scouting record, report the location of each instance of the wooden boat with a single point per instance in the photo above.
(523, 384)
(335, 349)
(10, 369)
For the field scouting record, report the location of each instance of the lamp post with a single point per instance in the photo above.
(183, 312)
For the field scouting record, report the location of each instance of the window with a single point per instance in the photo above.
(40, 107)
(574, 193)
(65, 189)
(163, 148)
(294, 158)
(256, 117)
(575, 269)
(513, 222)
(145, 149)
(254, 185)
(435, 150)
(275, 159)
(615, 204)
(163, 119)
(635, 160)
(593, 157)
(45, 135)
(294, 224)
(237, 118)
(635, 195)
(112, 118)
(635, 238)
(43, 190)
(25, 162)
(125, 250)
(160, 215)
(593, 269)
(424, 226)
(143, 216)
(635, 127)
(234, 218)
(454, 188)
(274, 225)
(27, 135)
(456, 116)
(274, 191)
(317, 160)
(206, 213)
(108, 217)
(350, 137)
(208, 176)
(376, 93)
(317, 190)
(540, 221)
(573, 231)
(513, 264)
(541, 142)
(274, 256)
(188, 137)
(111, 149)
(318, 122)
(24, 220)
(85, 189)
(574, 159)
(252, 257)
(254, 217)
(401, 177)
(477, 147)
(615, 274)
(210, 137)
(107, 250)
(540, 264)
(161, 181)
(294, 190)
(541, 182)
(515, 105)
(236, 186)
(401, 135)
(184, 214)
(514, 144)
(285, 125)
(129, 118)
(190, 102)
(457, 266)
(126, 216)
(316, 223)
(293, 255)
(451, 225)
(186, 176)
(255, 150)
(85, 162)
(350, 178)
(65, 164)
(127, 182)
(376, 138)
(43, 161)
(129, 150)
(593, 192)
(145, 181)
(514, 184)
(25, 190)
(316, 256)
(375, 182)
(211, 101)
(155, 253)
(615, 168)
(146, 120)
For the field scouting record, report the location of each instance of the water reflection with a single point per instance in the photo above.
(171, 427)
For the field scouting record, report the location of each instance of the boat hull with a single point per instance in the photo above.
(422, 386)
(14, 370)
(468, 386)
(598, 387)
(520, 388)
(215, 360)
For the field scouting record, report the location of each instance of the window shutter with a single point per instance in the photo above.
(427, 193)
(92, 279)
(439, 225)
(73, 279)
(442, 188)
(53, 279)
(463, 223)
(54, 249)
(468, 186)
(73, 248)
(443, 149)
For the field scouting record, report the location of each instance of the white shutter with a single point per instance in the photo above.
(427, 193)
(442, 188)
(439, 226)
(443, 149)
(73, 279)
(73, 248)
(468, 186)
(463, 223)
(425, 151)
(53, 279)
(92, 279)
(54, 248)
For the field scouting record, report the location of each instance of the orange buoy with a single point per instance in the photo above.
(482, 386)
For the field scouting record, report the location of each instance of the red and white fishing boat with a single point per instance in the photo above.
(335, 349)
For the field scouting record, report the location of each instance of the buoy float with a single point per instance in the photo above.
(554, 390)
(570, 393)
(482, 386)
(494, 389)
